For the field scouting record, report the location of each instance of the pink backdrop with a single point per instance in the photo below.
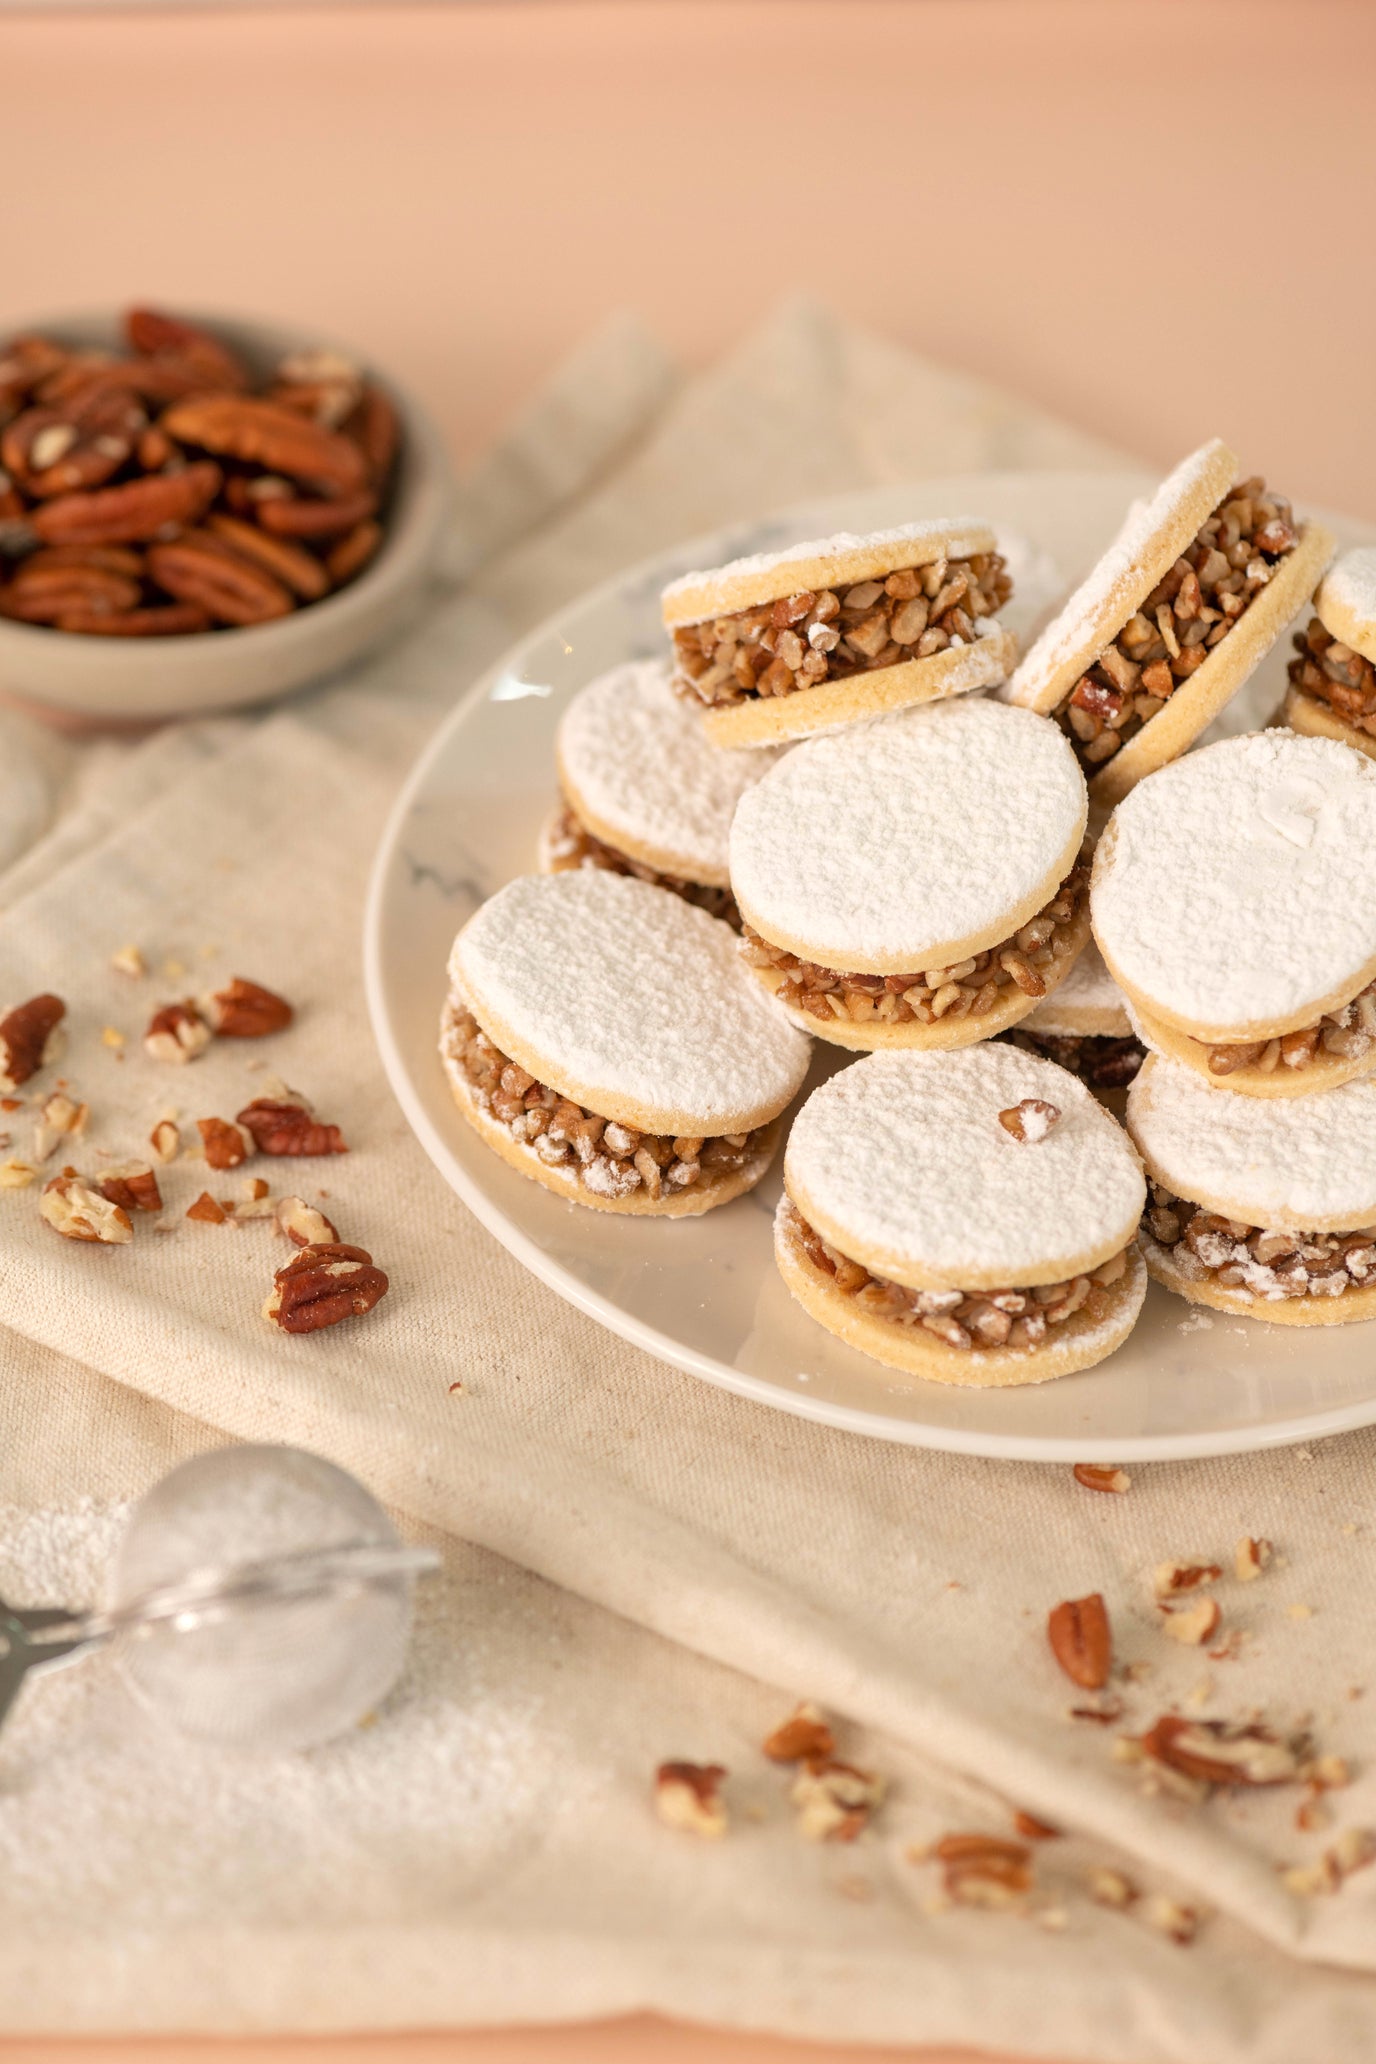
(1152, 217)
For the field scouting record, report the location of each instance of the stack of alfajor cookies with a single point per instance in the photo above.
(913, 882)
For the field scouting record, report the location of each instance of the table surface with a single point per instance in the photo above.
(464, 191)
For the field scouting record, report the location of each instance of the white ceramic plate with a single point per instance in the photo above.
(704, 1293)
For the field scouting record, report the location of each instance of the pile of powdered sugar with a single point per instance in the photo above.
(905, 1155)
(626, 990)
(910, 832)
(1232, 888)
(1298, 1163)
(635, 757)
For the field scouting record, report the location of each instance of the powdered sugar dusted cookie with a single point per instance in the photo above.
(644, 793)
(1192, 593)
(915, 881)
(1263, 1208)
(1084, 1026)
(967, 1216)
(602, 1035)
(815, 637)
(1229, 903)
(1332, 691)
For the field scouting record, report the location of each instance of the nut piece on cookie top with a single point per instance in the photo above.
(1165, 628)
(822, 634)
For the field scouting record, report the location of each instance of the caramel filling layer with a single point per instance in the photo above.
(964, 1319)
(609, 1159)
(1252, 1260)
(1187, 614)
(572, 845)
(1346, 1034)
(967, 989)
(833, 633)
(1330, 672)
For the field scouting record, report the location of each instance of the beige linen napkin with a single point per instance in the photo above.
(906, 1591)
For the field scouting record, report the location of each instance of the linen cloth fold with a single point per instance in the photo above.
(724, 1559)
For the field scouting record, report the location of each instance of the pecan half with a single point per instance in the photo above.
(1081, 1640)
(201, 570)
(291, 516)
(353, 552)
(245, 1010)
(78, 1212)
(29, 1038)
(322, 1285)
(688, 1796)
(296, 569)
(159, 336)
(226, 1145)
(286, 1124)
(177, 1032)
(133, 1186)
(135, 512)
(261, 433)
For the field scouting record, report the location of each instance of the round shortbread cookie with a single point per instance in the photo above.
(1088, 1004)
(565, 1181)
(1198, 700)
(1315, 719)
(1346, 601)
(911, 842)
(874, 1035)
(832, 705)
(1153, 536)
(1305, 1164)
(1228, 893)
(1322, 1072)
(639, 773)
(1077, 1344)
(821, 563)
(901, 1162)
(629, 1001)
(1353, 1306)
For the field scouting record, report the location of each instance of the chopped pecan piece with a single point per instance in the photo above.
(226, 1145)
(1169, 1579)
(176, 1033)
(1250, 1558)
(29, 1038)
(60, 1117)
(322, 1285)
(303, 1225)
(206, 1211)
(71, 1207)
(1216, 1752)
(688, 1796)
(1031, 1120)
(165, 1139)
(803, 1737)
(286, 1124)
(1098, 1476)
(834, 1800)
(245, 1010)
(132, 1185)
(984, 1870)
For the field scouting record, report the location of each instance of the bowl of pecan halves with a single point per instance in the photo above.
(198, 514)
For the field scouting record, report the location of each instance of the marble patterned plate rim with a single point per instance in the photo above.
(488, 1192)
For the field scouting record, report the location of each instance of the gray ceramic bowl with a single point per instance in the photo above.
(119, 680)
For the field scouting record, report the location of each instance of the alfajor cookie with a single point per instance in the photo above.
(643, 791)
(915, 881)
(1084, 1026)
(968, 1217)
(1193, 592)
(1230, 902)
(1332, 692)
(1268, 1209)
(809, 639)
(602, 1036)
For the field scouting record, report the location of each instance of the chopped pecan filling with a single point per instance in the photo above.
(962, 1318)
(967, 989)
(1252, 1260)
(1346, 1034)
(1331, 672)
(571, 845)
(1099, 1061)
(1184, 617)
(610, 1159)
(827, 635)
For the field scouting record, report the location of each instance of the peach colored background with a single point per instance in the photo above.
(1151, 216)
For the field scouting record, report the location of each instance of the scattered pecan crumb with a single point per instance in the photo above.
(60, 1117)
(803, 1737)
(984, 1870)
(245, 1010)
(133, 1186)
(128, 960)
(111, 1036)
(1299, 1612)
(1110, 1888)
(165, 1139)
(688, 1797)
(323, 1284)
(1104, 1714)
(15, 1174)
(1081, 1640)
(834, 1800)
(1219, 1752)
(1354, 1850)
(303, 1225)
(226, 1145)
(283, 1123)
(1034, 1830)
(458, 1388)
(1192, 1624)
(1169, 1917)
(29, 1038)
(1096, 1476)
(176, 1033)
(1168, 1579)
(1031, 1120)
(206, 1210)
(255, 1189)
(78, 1212)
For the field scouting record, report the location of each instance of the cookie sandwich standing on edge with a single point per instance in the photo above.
(1230, 901)
(1084, 1026)
(1332, 691)
(915, 881)
(969, 1217)
(1267, 1209)
(1193, 592)
(785, 643)
(602, 1036)
(643, 792)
